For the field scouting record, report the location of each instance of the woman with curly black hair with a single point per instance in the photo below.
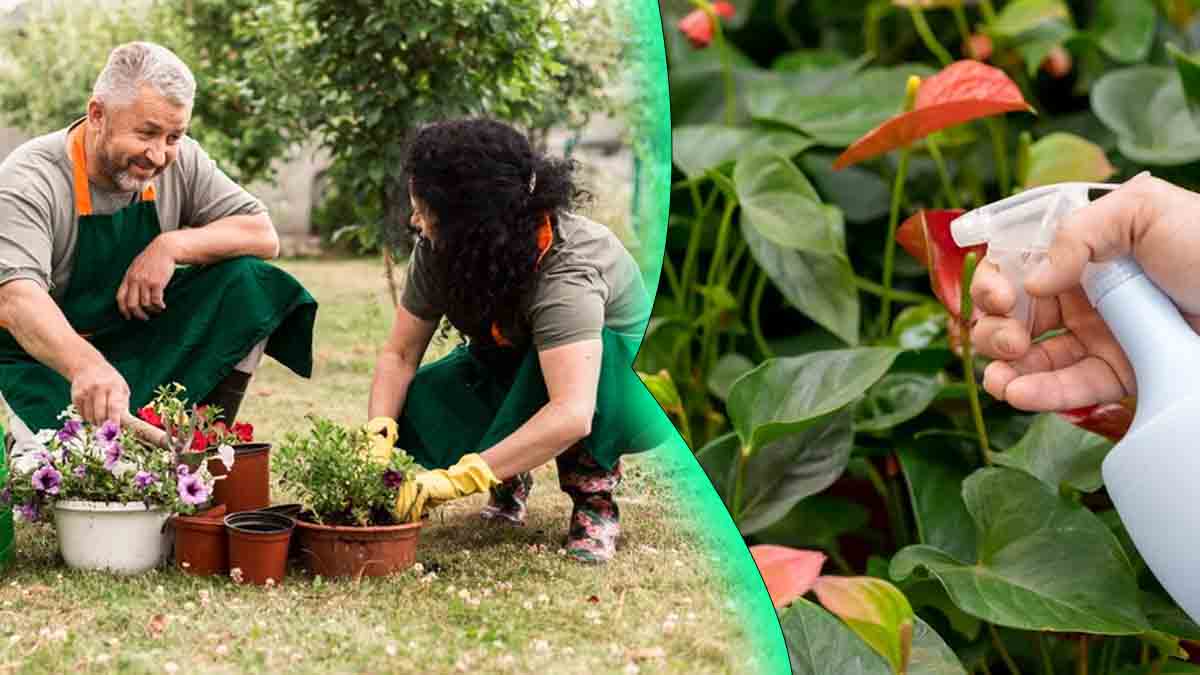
(552, 306)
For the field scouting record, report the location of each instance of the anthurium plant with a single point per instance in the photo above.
(811, 338)
(332, 473)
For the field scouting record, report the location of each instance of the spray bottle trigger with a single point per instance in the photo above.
(1016, 266)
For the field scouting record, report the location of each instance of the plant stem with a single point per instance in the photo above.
(889, 250)
(739, 250)
(1081, 664)
(841, 563)
(672, 276)
(960, 20)
(1004, 655)
(989, 12)
(1106, 655)
(715, 265)
(726, 69)
(785, 26)
(755, 324)
(735, 509)
(868, 286)
(1145, 654)
(1047, 663)
(984, 667)
(896, 514)
(1000, 151)
(966, 308)
(694, 239)
(927, 36)
(947, 186)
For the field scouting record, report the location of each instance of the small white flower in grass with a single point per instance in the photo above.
(270, 582)
(528, 604)
(418, 568)
(222, 650)
(171, 667)
(390, 649)
(103, 658)
(225, 453)
(14, 639)
(204, 598)
(451, 589)
(541, 646)
(632, 668)
(543, 598)
(568, 651)
(235, 574)
(189, 606)
(474, 602)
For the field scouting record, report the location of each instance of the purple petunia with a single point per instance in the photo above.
(70, 431)
(108, 433)
(6, 496)
(192, 490)
(182, 470)
(144, 479)
(80, 471)
(47, 479)
(112, 455)
(28, 512)
(392, 478)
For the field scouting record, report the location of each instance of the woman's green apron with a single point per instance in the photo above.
(467, 402)
(214, 315)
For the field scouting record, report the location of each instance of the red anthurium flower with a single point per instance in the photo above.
(978, 46)
(926, 236)
(147, 414)
(697, 26)
(962, 91)
(1110, 420)
(789, 573)
(1057, 63)
(244, 431)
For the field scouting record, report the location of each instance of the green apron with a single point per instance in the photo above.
(464, 403)
(215, 315)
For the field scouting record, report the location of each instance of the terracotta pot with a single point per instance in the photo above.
(248, 486)
(335, 551)
(201, 545)
(258, 545)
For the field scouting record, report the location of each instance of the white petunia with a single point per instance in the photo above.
(225, 452)
(123, 467)
(44, 436)
(27, 463)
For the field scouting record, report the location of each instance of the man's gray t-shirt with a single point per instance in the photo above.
(38, 224)
(587, 281)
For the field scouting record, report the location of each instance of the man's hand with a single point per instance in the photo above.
(100, 393)
(141, 292)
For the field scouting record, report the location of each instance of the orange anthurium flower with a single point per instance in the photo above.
(926, 236)
(962, 91)
(698, 27)
(1110, 420)
(789, 573)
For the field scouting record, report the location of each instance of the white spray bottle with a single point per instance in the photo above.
(1151, 473)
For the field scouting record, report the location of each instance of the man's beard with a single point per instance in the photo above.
(118, 172)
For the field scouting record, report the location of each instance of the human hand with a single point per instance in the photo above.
(382, 431)
(471, 475)
(141, 291)
(1146, 217)
(100, 394)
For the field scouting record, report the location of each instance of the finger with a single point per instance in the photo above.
(122, 298)
(1057, 353)
(1000, 337)
(114, 408)
(996, 377)
(97, 406)
(991, 292)
(1102, 230)
(156, 298)
(1085, 383)
(138, 298)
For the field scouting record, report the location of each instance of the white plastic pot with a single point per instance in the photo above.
(122, 538)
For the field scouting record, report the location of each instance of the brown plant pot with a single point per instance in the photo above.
(338, 551)
(201, 545)
(258, 546)
(248, 486)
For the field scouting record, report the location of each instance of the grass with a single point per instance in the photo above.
(484, 600)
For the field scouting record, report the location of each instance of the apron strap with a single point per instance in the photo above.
(83, 195)
(545, 237)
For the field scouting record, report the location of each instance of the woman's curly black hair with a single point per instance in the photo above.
(474, 177)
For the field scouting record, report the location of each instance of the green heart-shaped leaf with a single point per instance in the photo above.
(1043, 562)
(778, 201)
(699, 148)
(784, 395)
(919, 326)
(895, 399)
(821, 286)
(861, 194)
(1020, 17)
(1124, 29)
(1188, 68)
(1055, 451)
(729, 368)
(935, 480)
(1062, 157)
(1147, 109)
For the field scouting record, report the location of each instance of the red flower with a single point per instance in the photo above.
(147, 414)
(244, 431)
(960, 92)
(1057, 63)
(1110, 420)
(926, 236)
(697, 26)
(199, 440)
(788, 573)
(978, 47)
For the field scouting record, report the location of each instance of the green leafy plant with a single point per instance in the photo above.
(331, 473)
(811, 338)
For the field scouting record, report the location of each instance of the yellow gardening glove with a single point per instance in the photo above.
(471, 475)
(383, 439)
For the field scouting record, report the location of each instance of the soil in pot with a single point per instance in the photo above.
(201, 545)
(338, 551)
(258, 546)
(248, 485)
(122, 538)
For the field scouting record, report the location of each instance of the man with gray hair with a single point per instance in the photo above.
(128, 260)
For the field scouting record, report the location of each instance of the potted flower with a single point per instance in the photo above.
(108, 491)
(346, 526)
(197, 430)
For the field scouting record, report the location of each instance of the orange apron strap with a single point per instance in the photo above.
(83, 195)
(545, 237)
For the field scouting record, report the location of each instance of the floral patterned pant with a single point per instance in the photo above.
(595, 518)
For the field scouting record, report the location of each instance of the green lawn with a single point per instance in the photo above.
(485, 600)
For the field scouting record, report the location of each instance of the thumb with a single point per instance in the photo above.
(1102, 230)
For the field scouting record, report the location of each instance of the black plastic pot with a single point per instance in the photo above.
(258, 545)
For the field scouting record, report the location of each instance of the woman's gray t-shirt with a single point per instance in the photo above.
(587, 281)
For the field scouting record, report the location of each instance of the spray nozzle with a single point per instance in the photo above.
(1018, 230)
